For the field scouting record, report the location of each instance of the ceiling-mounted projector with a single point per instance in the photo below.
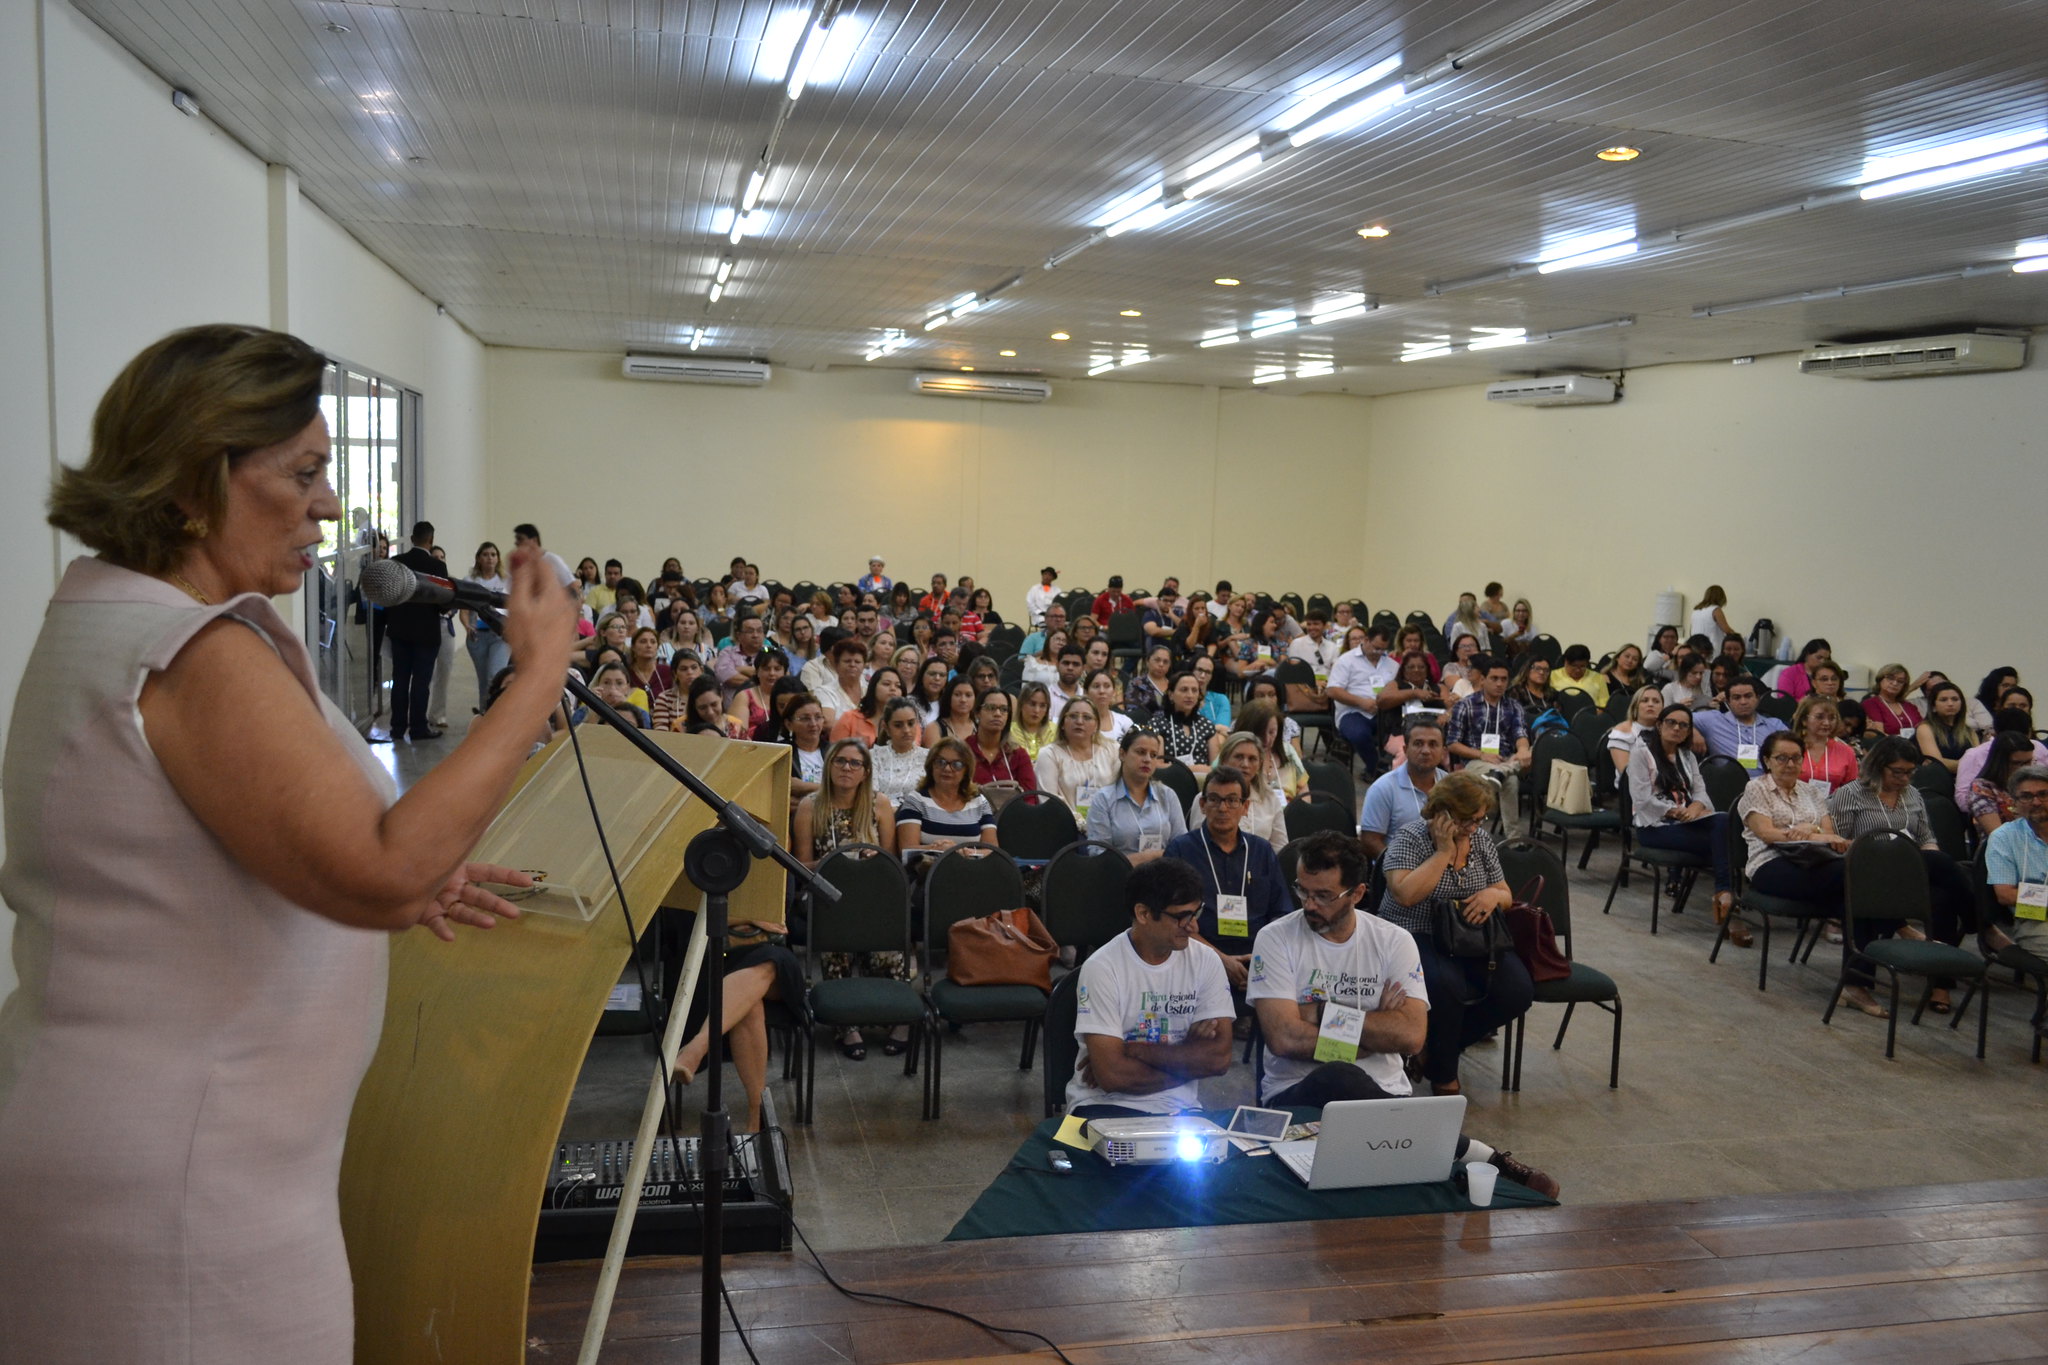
(1555, 391)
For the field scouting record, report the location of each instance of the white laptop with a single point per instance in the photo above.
(1379, 1142)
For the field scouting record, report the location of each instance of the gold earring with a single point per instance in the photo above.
(195, 528)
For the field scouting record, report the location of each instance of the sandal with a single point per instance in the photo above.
(1738, 934)
(892, 1046)
(1862, 1000)
(1832, 931)
(852, 1048)
(1938, 1003)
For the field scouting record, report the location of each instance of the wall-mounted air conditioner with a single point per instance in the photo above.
(1005, 388)
(689, 369)
(1556, 391)
(1959, 353)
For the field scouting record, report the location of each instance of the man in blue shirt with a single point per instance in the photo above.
(1055, 620)
(2016, 864)
(876, 581)
(1395, 798)
(1738, 732)
(1242, 889)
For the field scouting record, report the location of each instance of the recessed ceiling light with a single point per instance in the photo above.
(1130, 313)
(967, 369)
(1006, 353)
(1061, 336)
(1227, 282)
(1374, 230)
(1619, 153)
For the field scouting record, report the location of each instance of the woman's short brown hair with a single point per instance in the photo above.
(168, 429)
(1462, 796)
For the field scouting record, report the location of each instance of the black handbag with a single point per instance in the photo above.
(1460, 938)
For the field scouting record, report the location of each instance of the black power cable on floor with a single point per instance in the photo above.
(668, 1111)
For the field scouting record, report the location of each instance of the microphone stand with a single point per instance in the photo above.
(717, 862)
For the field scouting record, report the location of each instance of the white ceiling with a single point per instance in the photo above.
(559, 173)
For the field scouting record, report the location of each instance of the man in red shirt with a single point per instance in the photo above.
(1112, 600)
(934, 602)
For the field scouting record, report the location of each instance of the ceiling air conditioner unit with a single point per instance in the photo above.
(688, 369)
(1005, 388)
(1959, 353)
(1557, 391)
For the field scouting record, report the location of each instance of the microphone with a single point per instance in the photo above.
(388, 583)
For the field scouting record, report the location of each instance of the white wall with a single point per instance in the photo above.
(1900, 519)
(157, 221)
(813, 473)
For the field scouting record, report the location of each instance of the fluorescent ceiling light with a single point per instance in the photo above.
(1962, 170)
(1889, 167)
(2029, 265)
(932, 324)
(1495, 337)
(1128, 205)
(1148, 216)
(742, 224)
(1619, 251)
(1099, 369)
(1220, 339)
(724, 270)
(1223, 175)
(1319, 98)
(1222, 156)
(717, 292)
(753, 195)
(1425, 351)
(697, 340)
(1315, 371)
(1336, 310)
(1584, 242)
(965, 306)
(1274, 324)
(807, 56)
(1135, 357)
(1350, 116)
(1267, 376)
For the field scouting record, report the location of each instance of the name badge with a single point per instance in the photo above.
(1083, 798)
(1489, 745)
(2032, 902)
(1234, 916)
(1819, 787)
(1745, 754)
(1321, 678)
(1338, 1039)
(1150, 840)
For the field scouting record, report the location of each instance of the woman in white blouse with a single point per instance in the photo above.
(898, 755)
(1081, 763)
(1686, 686)
(1643, 711)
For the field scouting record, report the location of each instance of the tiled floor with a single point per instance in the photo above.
(1724, 1090)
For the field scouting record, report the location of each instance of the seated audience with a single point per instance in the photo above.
(1152, 1018)
(1215, 703)
(1112, 600)
(683, 633)
(2007, 719)
(850, 811)
(1779, 809)
(1529, 687)
(804, 721)
(2016, 867)
(1324, 954)
(1458, 682)
(1265, 809)
(1080, 762)
(1795, 680)
(1242, 889)
(864, 722)
(1991, 803)
(997, 757)
(956, 714)
(1515, 633)
(899, 759)
(1135, 815)
(615, 689)
(1661, 662)
(1945, 735)
(749, 709)
(1189, 736)
(1446, 864)
(1055, 620)
(874, 580)
(1315, 646)
(1492, 609)
(820, 611)
(614, 632)
(1038, 601)
(930, 692)
(1100, 688)
(1147, 691)
(701, 717)
(1887, 706)
(1670, 809)
(1467, 623)
(1825, 759)
(1688, 671)
(1396, 796)
(947, 808)
(1720, 673)
(736, 662)
(1641, 724)
(800, 642)
(841, 692)
(1354, 686)
(1034, 726)
(646, 674)
(1828, 679)
(1576, 675)
(1411, 693)
(1739, 732)
(1626, 675)
(715, 611)
(1854, 723)
(1488, 735)
(1261, 716)
(1990, 697)
(1066, 683)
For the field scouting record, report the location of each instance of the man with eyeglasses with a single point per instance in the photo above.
(2016, 866)
(1151, 1018)
(1395, 798)
(1341, 998)
(1053, 622)
(1242, 889)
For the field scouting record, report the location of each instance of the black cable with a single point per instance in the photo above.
(732, 1139)
(657, 1019)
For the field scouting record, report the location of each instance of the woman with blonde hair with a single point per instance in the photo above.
(1282, 768)
(848, 810)
(1886, 705)
(1081, 762)
(1709, 617)
(1643, 711)
(1826, 763)
(1265, 811)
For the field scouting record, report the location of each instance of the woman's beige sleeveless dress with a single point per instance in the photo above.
(179, 1060)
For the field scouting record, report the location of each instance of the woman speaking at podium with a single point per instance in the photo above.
(203, 890)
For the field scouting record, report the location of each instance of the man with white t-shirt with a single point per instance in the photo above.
(1151, 1018)
(1354, 685)
(1037, 599)
(1341, 998)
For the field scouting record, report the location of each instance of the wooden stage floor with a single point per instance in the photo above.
(1918, 1275)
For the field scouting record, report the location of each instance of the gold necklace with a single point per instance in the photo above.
(201, 598)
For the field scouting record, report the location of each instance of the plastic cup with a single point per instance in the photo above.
(1479, 1178)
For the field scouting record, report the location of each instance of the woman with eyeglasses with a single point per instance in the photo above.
(1215, 705)
(848, 810)
(1796, 679)
(1446, 862)
(997, 757)
(1778, 810)
(1887, 706)
(1669, 806)
(947, 808)
(1081, 762)
(1134, 815)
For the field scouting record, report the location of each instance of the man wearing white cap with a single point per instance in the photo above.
(876, 581)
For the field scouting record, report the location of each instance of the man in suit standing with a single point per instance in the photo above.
(414, 630)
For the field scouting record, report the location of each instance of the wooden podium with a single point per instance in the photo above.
(458, 1119)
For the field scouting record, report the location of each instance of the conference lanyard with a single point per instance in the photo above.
(2030, 898)
(1233, 913)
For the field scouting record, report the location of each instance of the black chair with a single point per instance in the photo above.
(1591, 728)
(1945, 820)
(1322, 724)
(1335, 780)
(1384, 620)
(1294, 604)
(1778, 706)
(1126, 635)
(1318, 601)
(1002, 651)
(871, 916)
(1571, 749)
(967, 882)
(1180, 779)
(1656, 861)
(1062, 1049)
(1084, 896)
(1314, 810)
(1619, 705)
(1011, 674)
(801, 593)
(1572, 703)
(1009, 633)
(1932, 779)
(1419, 618)
(1521, 861)
(1034, 826)
(1886, 879)
(1726, 781)
(2024, 965)
(1546, 648)
(1806, 916)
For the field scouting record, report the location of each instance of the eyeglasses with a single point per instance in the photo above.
(1899, 770)
(1185, 919)
(1224, 802)
(948, 763)
(1782, 757)
(1320, 900)
(2031, 797)
(844, 762)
